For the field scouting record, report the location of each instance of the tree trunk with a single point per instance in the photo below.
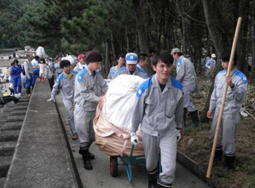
(107, 62)
(113, 49)
(216, 38)
(143, 46)
(214, 33)
(184, 31)
(242, 63)
(127, 38)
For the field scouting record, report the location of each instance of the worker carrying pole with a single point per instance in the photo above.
(225, 106)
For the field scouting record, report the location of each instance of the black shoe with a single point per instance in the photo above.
(87, 164)
(223, 171)
(86, 159)
(152, 184)
(227, 167)
(164, 185)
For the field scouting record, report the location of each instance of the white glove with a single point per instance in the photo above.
(51, 99)
(134, 138)
(178, 135)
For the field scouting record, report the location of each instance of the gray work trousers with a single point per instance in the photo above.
(70, 114)
(188, 90)
(166, 145)
(227, 131)
(84, 126)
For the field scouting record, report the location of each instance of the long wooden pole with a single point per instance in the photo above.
(216, 134)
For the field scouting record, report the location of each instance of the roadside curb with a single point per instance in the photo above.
(191, 165)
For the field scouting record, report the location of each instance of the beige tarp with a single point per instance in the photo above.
(113, 140)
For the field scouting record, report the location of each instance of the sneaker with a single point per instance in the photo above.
(28, 95)
(19, 94)
(16, 96)
(74, 137)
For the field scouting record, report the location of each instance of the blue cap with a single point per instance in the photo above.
(131, 58)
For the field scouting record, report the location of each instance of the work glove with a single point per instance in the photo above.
(52, 99)
(179, 135)
(134, 138)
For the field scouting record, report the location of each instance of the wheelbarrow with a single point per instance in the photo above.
(128, 162)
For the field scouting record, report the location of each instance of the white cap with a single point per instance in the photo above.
(175, 50)
(131, 58)
(213, 55)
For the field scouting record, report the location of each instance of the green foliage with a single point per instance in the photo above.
(10, 13)
(98, 21)
(75, 26)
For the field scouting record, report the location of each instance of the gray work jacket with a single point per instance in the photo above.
(112, 72)
(185, 72)
(158, 111)
(57, 68)
(88, 89)
(65, 85)
(28, 67)
(79, 67)
(138, 72)
(234, 96)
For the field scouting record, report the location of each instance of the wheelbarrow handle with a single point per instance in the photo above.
(131, 152)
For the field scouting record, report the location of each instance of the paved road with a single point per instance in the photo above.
(100, 175)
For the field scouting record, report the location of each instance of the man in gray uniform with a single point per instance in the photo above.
(237, 89)
(81, 64)
(57, 68)
(89, 86)
(159, 109)
(120, 64)
(65, 83)
(28, 67)
(142, 62)
(187, 76)
(131, 69)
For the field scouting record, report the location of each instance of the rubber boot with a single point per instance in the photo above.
(86, 159)
(91, 156)
(164, 185)
(194, 118)
(152, 178)
(229, 162)
(217, 157)
(228, 166)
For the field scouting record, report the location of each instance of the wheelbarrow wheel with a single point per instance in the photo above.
(114, 166)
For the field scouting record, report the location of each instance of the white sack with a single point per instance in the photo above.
(120, 98)
(69, 58)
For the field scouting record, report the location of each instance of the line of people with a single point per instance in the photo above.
(161, 106)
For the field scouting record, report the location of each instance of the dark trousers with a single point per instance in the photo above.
(6, 99)
(51, 82)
